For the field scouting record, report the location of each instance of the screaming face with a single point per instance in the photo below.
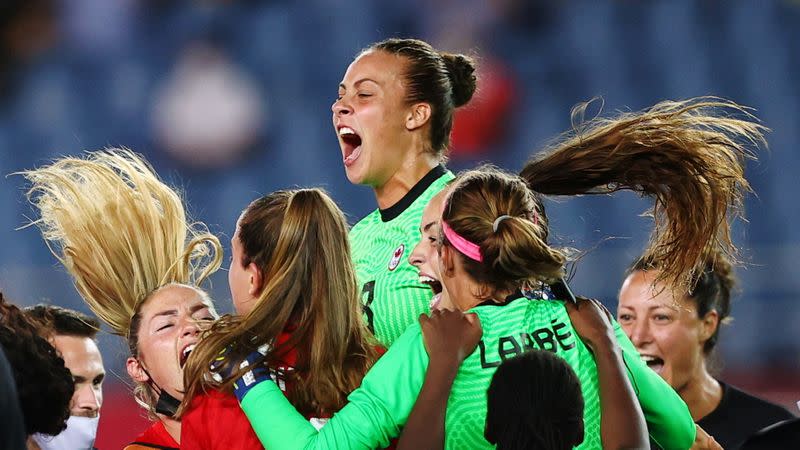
(171, 322)
(425, 256)
(369, 117)
(665, 329)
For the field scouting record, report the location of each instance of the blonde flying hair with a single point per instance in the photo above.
(299, 241)
(121, 233)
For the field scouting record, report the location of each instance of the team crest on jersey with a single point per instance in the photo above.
(397, 256)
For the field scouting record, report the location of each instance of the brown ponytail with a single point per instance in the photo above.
(514, 252)
(687, 155)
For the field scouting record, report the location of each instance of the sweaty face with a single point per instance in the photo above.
(82, 358)
(172, 320)
(665, 330)
(369, 117)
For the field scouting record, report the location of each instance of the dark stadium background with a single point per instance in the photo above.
(231, 99)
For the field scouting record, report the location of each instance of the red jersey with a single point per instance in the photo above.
(155, 436)
(215, 420)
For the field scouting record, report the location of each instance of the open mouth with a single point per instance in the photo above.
(653, 362)
(434, 284)
(351, 143)
(185, 353)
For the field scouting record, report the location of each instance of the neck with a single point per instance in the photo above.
(172, 426)
(31, 444)
(409, 174)
(462, 293)
(702, 393)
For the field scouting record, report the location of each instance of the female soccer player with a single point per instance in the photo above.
(393, 118)
(494, 243)
(136, 260)
(295, 292)
(676, 330)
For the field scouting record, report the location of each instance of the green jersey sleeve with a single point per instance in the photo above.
(373, 416)
(668, 419)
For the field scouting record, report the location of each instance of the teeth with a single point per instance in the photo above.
(188, 350)
(346, 130)
(649, 359)
(426, 279)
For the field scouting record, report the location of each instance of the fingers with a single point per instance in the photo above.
(423, 319)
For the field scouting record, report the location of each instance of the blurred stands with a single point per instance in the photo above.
(255, 80)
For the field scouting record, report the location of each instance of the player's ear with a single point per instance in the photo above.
(256, 279)
(136, 370)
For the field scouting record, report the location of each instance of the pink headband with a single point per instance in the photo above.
(466, 247)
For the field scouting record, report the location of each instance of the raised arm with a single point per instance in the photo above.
(622, 424)
(450, 336)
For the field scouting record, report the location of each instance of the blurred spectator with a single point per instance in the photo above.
(73, 335)
(479, 128)
(209, 112)
(27, 27)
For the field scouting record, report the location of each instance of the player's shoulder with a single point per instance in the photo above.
(368, 221)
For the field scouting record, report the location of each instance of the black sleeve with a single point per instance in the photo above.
(12, 429)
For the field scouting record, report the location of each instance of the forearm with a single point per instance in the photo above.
(622, 424)
(374, 414)
(668, 419)
(425, 426)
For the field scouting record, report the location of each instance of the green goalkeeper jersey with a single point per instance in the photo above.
(378, 409)
(392, 295)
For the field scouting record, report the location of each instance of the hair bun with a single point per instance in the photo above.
(461, 70)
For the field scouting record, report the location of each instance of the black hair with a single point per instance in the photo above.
(63, 321)
(44, 384)
(444, 80)
(534, 401)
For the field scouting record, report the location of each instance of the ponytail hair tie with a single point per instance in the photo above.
(498, 220)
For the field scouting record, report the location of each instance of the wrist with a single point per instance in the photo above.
(602, 342)
(443, 368)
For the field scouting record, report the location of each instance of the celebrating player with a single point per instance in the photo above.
(136, 260)
(494, 242)
(294, 288)
(675, 331)
(393, 118)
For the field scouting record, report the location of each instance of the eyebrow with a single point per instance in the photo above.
(428, 226)
(649, 308)
(82, 379)
(342, 86)
(174, 312)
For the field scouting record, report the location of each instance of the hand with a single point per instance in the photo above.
(703, 441)
(592, 321)
(450, 336)
(250, 378)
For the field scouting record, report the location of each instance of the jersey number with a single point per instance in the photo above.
(369, 291)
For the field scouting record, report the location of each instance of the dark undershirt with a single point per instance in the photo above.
(739, 415)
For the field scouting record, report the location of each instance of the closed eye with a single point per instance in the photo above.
(164, 327)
